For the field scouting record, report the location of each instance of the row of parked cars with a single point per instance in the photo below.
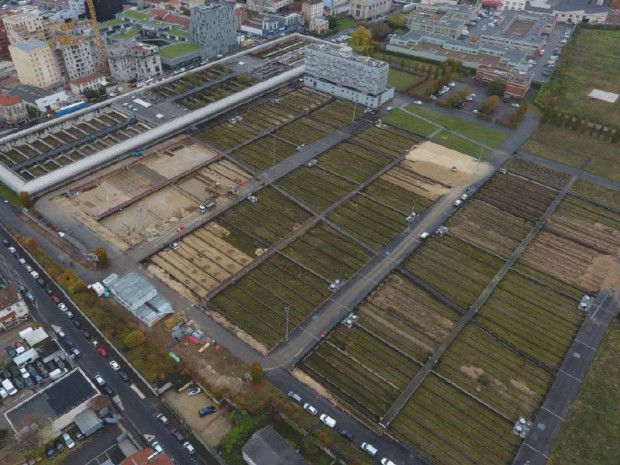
(66, 442)
(156, 446)
(331, 423)
(14, 378)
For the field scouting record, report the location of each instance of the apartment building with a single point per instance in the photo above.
(24, 26)
(35, 64)
(13, 309)
(76, 52)
(268, 6)
(340, 72)
(369, 9)
(311, 10)
(213, 27)
(133, 60)
(4, 38)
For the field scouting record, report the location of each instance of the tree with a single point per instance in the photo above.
(32, 112)
(333, 22)
(397, 20)
(379, 30)
(133, 339)
(497, 87)
(256, 371)
(361, 37)
(25, 199)
(102, 257)
(488, 106)
(455, 100)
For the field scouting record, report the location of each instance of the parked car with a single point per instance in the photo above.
(101, 351)
(11, 351)
(296, 397)
(86, 334)
(162, 418)
(50, 452)
(194, 391)
(99, 379)
(123, 376)
(187, 446)
(203, 412)
(310, 409)
(327, 420)
(345, 433)
(108, 391)
(68, 441)
(157, 448)
(176, 433)
(115, 366)
(55, 299)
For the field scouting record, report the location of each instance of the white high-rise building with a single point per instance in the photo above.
(35, 64)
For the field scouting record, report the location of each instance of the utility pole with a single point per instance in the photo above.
(288, 309)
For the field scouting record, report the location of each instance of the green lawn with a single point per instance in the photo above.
(137, 15)
(401, 80)
(8, 194)
(483, 134)
(404, 120)
(460, 144)
(591, 433)
(177, 50)
(344, 23)
(589, 62)
(127, 34)
(112, 22)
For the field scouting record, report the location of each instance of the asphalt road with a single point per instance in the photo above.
(138, 414)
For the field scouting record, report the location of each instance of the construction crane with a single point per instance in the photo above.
(100, 45)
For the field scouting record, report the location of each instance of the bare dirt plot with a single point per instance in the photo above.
(178, 158)
(588, 224)
(493, 372)
(436, 162)
(489, 228)
(211, 428)
(150, 215)
(404, 315)
(213, 180)
(568, 261)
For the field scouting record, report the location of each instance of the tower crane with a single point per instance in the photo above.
(100, 45)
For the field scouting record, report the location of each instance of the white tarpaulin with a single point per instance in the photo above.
(608, 97)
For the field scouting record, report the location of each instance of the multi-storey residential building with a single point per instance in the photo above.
(35, 64)
(133, 60)
(76, 52)
(337, 7)
(24, 26)
(369, 9)
(77, 8)
(311, 10)
(4, 38)
(340, 72)
(213, 28)
(268, 6)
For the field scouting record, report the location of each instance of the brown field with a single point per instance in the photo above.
(568, 261)
(489, 228)
(405, 315)
(403, 175)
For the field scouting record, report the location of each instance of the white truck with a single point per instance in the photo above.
(8, 387)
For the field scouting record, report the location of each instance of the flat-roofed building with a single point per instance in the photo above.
(13, 309)
(517, 82)
(35, 64)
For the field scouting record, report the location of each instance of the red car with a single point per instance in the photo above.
(55, 299)
(101, 351)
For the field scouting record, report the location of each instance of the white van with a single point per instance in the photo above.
(369, 449)
(387, 462)
(57, 373)
(8, 387)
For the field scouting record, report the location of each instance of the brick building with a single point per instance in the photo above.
(517, 82)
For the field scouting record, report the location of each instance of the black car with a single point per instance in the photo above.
(18, 382)
(6, 243)
(22, 289)
(5, 375)
(69, 343)
(48, 291)
(77, 323)
(60, 446)
(14, 370)
(30, 297)
(345, 433)
(50, 452)
(29, 383)
(123, 376)
(59, 362)
(41, 282)
(108, 391)
(51, 365)
(86, 334)
(11, 351)
(39, 379)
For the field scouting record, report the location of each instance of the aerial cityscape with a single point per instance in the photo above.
(309, 232)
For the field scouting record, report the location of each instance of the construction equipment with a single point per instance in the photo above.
(100, 45)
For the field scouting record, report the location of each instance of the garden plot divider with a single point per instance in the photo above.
(434, 359)
(432, 291)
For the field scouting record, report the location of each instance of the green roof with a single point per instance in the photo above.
(137, 15)
(177, 50)
(127, 34)
(179, 32)
(112, 22)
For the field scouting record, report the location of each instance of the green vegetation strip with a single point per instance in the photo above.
(478, 132)
(596, 409)
(401, 80)
(177, 50)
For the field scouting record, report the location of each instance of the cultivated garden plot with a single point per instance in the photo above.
(189, 81)
(537, 172)
(266, 221)
(593, 226)
(532, 318)
(327, 253)
(455, 268)
(493, 372)
(201, 98)
(369, 220)
(489, 228)
(581, 268)
(517, 196)
(257, 303)
(316, 187)
(361, 369)
(282, 48)
(213, 180)
(406, 317)
(264, 153)
(451, 428)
